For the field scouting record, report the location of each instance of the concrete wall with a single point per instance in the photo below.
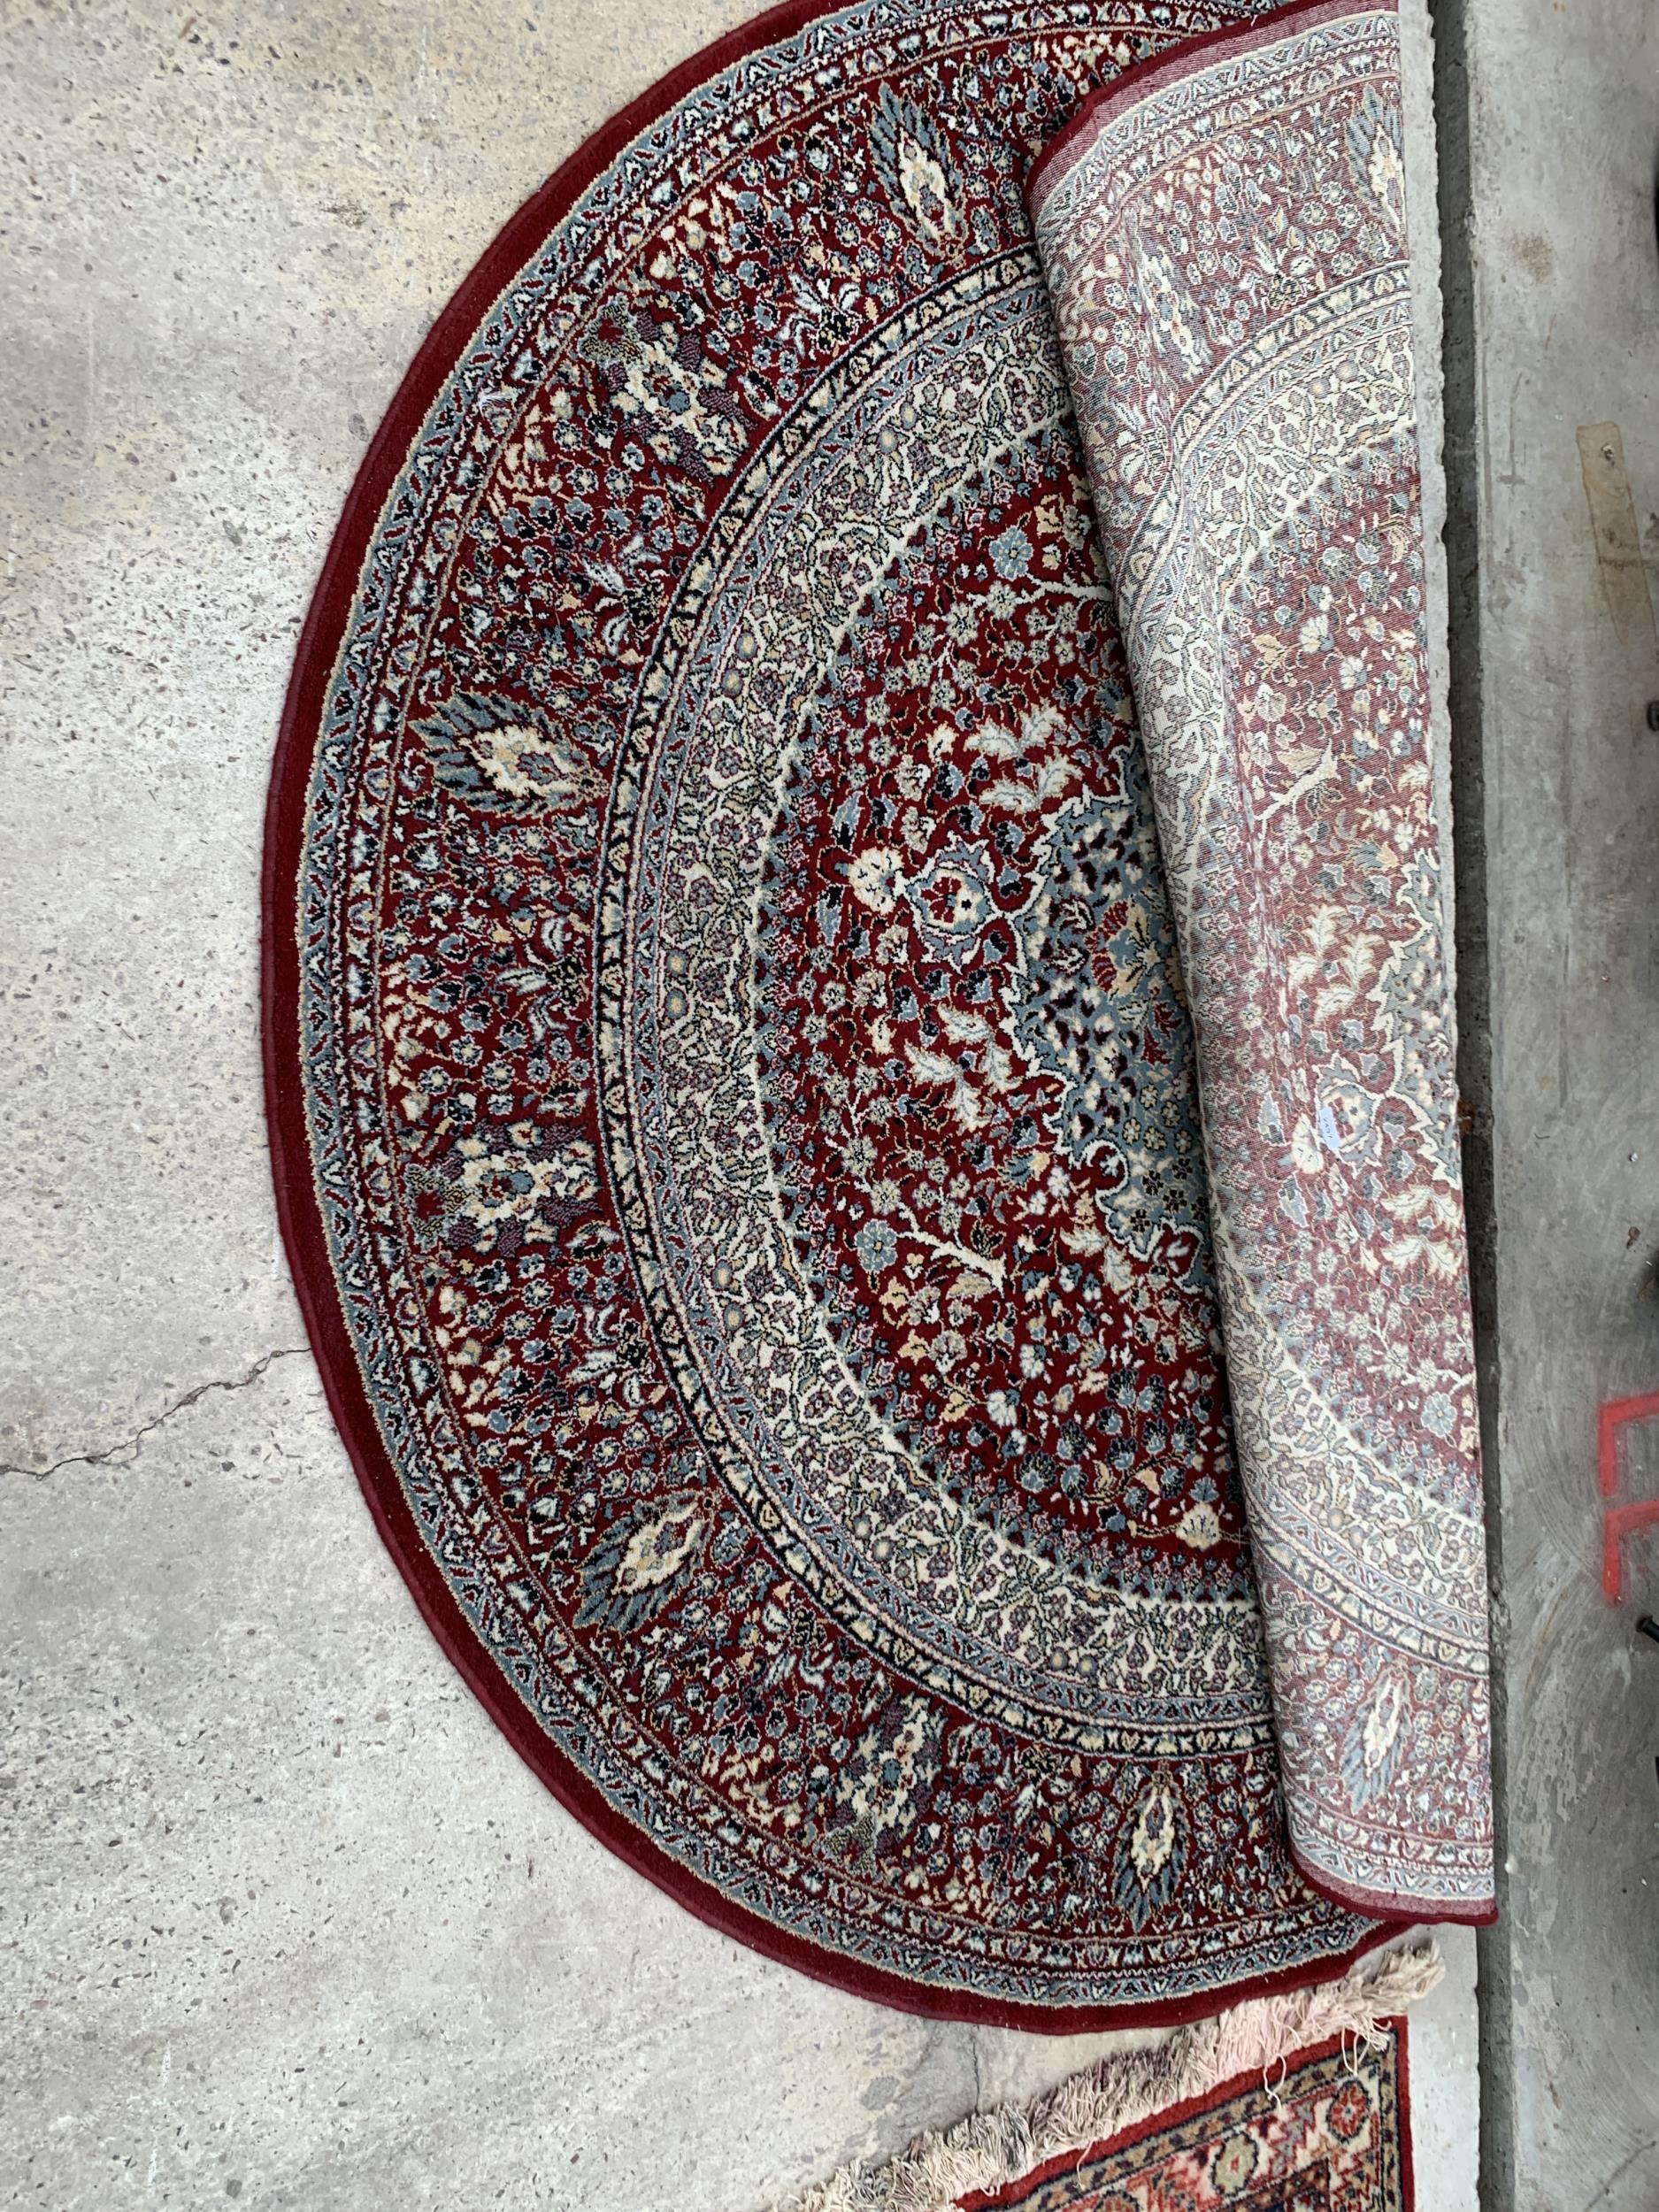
(1549, 131)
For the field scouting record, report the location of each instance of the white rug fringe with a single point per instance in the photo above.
(993, 2148)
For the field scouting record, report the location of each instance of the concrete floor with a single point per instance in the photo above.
(254, 1949)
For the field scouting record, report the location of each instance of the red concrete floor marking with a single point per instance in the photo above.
(1619, 1521)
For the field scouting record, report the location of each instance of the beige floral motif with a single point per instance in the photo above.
(1382, 1726)
(657, 1551)
(1152, 1839)
(1199, 1526)
(916, 168)
(510, 1186)
(888, 1767)
(876, 877)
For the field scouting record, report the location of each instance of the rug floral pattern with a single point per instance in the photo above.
(750, 1160)
(1328, 2132)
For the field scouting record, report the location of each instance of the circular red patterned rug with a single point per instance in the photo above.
(729, 1075)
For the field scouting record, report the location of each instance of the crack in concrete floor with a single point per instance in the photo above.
(111, 1454)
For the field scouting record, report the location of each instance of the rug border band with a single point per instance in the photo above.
(1248, 36)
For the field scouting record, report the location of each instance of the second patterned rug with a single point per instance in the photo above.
(1288, 2104)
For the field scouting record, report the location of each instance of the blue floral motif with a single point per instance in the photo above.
(877, 1247)
(1010, 553)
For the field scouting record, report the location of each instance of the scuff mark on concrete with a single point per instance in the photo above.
(1619, 559)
